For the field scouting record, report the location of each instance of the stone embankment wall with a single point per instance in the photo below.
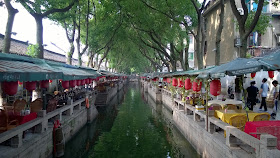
(213, 144)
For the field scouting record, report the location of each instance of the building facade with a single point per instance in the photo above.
(257, 44)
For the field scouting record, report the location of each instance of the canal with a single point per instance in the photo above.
(131, 126)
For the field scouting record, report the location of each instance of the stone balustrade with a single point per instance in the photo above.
(265, 147)
(41, 123)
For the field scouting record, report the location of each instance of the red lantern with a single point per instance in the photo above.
(83, 82)
(44, 84)
(90, 80)
(180, 83)
(197, 87)
(174, 82)
(271, 74)
(10, 88)
(30, 86)
(87, 81)
(188, 84)
(79, 82)
(168, 80)
(73, 83)
(215, 87)
(164, 80)
(65, 84)
(253, 75)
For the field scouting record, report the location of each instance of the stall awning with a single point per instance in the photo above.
(239, 66)
(272, 60)
(69, 72)
(18, 68)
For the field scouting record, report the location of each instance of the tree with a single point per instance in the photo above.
(11, 15)
(219, 33)
(83, 12)
(183, 13)
(244, 31)
(41, 9)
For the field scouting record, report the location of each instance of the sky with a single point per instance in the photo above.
(25, 27)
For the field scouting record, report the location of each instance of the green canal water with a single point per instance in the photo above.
(131, 126)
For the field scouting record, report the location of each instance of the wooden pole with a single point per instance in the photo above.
(207, 84)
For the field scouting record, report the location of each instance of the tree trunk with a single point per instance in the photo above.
(198, 46)
(187, 57)
(96, 61)
(104, 56)
(182, 61)
(106, 61)
(9, 26)
(70, 54)
(243, 48)
(39, 36)
(219, 34)
(203, 42)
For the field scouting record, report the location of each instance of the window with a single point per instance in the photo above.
(190, 39)
(191, 56)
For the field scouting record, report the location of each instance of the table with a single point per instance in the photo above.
(269, 127)
(225, 114)
(24, 119)
(227, 101)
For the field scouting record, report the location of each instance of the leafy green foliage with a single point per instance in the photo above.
(33, 50)
(263, 22)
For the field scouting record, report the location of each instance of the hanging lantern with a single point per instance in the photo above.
(253, 74)
(87, 81)
(168, 80)
(20, 83)
(174, 82)
(197, 86)
(65, 84)
(83, 82)
(10, 88)
(50, 81)
(164, 79)
(271, 74)
(44, 84)
(180, 83)
(90, 80)
(215, 87)
(73, 83)
(188, 84)
(30, 86)
(79, 82)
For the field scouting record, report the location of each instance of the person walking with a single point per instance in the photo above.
(252, 93)
(263, 94)
(275, 97)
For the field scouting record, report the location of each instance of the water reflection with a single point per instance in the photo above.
(180, 147)
(136, 128)
(81, 144)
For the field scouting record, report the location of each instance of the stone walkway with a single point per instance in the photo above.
(256, 109)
